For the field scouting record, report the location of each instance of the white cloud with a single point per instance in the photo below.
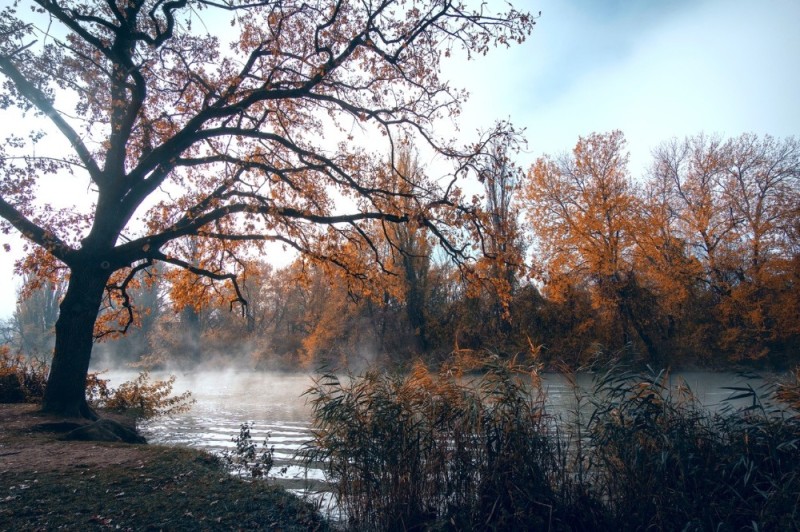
(653, 70)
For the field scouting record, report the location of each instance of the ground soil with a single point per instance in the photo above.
(50, 484)
(29, 440)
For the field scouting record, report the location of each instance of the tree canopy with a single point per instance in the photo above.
(201, 128)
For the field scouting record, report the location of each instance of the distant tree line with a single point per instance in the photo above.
(693, 264)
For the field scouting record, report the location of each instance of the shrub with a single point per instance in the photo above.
(245, 459)
(24, 380)
(21, 379)
(140, 397)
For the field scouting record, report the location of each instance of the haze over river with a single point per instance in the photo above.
(273, 402)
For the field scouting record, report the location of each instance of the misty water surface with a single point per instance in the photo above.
(225, 400)
(274, 403)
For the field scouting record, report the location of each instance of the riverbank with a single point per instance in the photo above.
(46, 483)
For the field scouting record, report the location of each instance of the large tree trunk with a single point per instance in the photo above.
(66, 386)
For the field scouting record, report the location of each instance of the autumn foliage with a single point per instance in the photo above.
(671, 268)
(205, 148)
(203, 131)
(695, 262)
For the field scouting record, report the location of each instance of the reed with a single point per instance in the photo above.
(435, 451)
(443, 451)
(661, 460)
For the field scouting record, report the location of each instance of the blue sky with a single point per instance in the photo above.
(654, 69)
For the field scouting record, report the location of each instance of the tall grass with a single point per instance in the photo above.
(661, 460)
(444, 451)
(422, 450)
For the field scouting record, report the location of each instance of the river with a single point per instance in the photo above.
(273, 402)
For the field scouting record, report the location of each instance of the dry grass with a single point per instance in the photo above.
(427, 451)
(46, 484)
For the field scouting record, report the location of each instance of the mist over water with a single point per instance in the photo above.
(274, 403)
(225, 399)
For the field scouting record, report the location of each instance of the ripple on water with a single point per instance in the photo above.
(275, 405)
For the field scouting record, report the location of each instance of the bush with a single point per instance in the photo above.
(140, 398)
(21, 379)
(245, 459)
(24, 380)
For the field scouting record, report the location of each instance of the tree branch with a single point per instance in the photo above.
(44, 238)
(40, 101)
(207, 273)
(126, 300)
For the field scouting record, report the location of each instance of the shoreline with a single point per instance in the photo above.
(47, 483)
